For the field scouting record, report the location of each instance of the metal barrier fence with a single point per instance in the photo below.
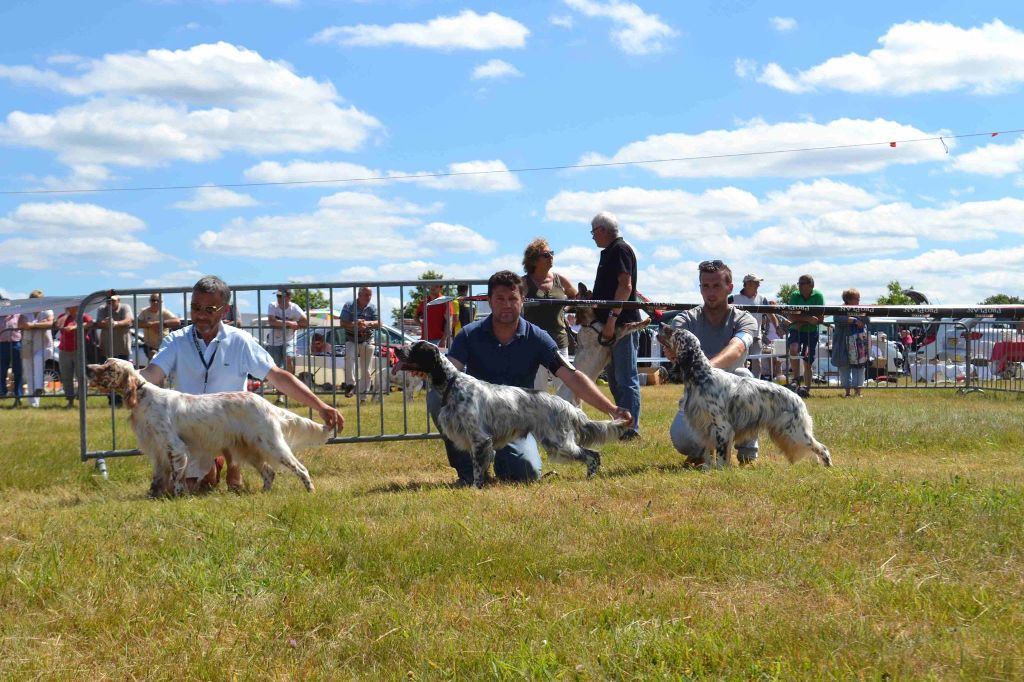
(322, 352)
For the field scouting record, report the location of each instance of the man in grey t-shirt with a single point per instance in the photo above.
(725, 334)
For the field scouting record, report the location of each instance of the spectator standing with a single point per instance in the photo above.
(543, 282)
(211, 357)
(850, 345)
(503, 348)
(114, 321)
(803, 334)
(749, 295)
(616, 280)
(359, 318)
(10, 355)
(284, 317)
(726, 335)
(156, 322)
(434, 320)
(36, 348)
(466, 309)
(776, 330)
(67, 325)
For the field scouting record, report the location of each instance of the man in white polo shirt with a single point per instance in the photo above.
(210, 357)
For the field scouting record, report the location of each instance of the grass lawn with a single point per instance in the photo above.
(904, 561)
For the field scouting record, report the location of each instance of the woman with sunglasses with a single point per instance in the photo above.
(542, 282)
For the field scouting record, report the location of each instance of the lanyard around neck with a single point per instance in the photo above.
(199, 351)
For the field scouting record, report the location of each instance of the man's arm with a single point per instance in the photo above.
(153, 374)
(586, 390)
(287, 383)
(171, 321)
(128, 320)
(729, 356)
(622, 293)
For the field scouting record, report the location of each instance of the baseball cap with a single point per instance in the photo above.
(752, 278)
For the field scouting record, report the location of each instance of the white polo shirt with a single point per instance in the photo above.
(232, 355)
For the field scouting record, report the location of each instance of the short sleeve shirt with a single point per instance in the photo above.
(713, 339)
(369, 313)
(511, 364)
(759, 299)
(153, 336)
(816, 298)
(232, 355)
(119, 334)
(279, 336)
(616, 258)
(433, 319)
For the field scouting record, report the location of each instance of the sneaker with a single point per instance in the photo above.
(33, 402)
(632, 434)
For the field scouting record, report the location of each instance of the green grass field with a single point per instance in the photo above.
(904, 561)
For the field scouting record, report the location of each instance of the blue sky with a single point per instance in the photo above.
(143, 94)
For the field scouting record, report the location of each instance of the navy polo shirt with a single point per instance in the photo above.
(512, 364)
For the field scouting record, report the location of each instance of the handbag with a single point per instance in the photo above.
(857, 349)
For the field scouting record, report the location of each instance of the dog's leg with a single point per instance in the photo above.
(177, 457)
(268, 476)
(722, 437)
(796, 446)
(591, 458)
(483, 457)
(277, 450)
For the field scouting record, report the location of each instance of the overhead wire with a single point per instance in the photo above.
(529, 169)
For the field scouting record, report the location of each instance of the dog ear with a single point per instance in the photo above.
(131, 391)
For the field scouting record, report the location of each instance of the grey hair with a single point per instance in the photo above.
(211, 284)
(607, 221)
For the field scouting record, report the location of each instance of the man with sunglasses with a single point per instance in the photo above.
(616, 281)
(211, 357)
(726, 334)
(156, 322)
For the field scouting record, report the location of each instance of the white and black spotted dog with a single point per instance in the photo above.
(480, 418)
(724, 408)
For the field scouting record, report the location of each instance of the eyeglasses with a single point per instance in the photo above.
(547, 254)
(207, 309)
(711, 266)
(154, 300)
(594, 230)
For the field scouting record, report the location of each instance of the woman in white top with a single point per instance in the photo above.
(36, 348)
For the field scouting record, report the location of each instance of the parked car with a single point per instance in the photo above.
(326, 370)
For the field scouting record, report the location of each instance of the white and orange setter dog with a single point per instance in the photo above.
(172, 427)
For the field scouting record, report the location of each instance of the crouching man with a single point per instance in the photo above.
(725, 334)
(503, 348)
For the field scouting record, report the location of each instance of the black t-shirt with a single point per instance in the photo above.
(616, 258)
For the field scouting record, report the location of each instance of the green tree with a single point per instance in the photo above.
(895, 295)
(313, 297)
(1003, 299)
(417, 295)
(784, 293)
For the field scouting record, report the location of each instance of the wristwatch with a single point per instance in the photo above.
(613, 314)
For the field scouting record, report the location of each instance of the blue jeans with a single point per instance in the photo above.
(517, 461)
(624, 378)
(10, 356)
(685, 439)
(851, 377)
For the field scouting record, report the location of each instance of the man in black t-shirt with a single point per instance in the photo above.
(616, 280)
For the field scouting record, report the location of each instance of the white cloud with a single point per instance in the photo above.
(783, 24)
(197, 104)
(561, 20)
(918, 57)
(467, 31)
(178, 278)
(635, 32)
(62, 234)
(479, 175)
(496, 68)
(211, 198)
(744, 67)
(992, 159)
(345, 226)
(667, 253)
(759, 136)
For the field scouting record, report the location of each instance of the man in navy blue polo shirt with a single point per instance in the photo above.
(503, 348)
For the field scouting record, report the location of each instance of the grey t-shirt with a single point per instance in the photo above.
(713, 339)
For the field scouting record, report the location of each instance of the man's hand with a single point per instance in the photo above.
(332, 417)
(622, 413)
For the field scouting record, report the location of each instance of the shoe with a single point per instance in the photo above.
(70, 405)
(803, 392)
(33, 402)
(348, 389)
(632, 434)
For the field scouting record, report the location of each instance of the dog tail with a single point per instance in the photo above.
(302, 433)
(589, 433)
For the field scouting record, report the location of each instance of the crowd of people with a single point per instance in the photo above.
(527, 348)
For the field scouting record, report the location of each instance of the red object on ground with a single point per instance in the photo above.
(1005, 352)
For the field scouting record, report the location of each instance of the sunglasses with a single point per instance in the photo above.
(711, 266)
(547, 254)
(207, 309)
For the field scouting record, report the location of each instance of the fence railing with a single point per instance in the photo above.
(322, 354)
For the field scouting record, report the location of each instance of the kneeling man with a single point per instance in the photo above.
(503, 348)
(725, 334)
